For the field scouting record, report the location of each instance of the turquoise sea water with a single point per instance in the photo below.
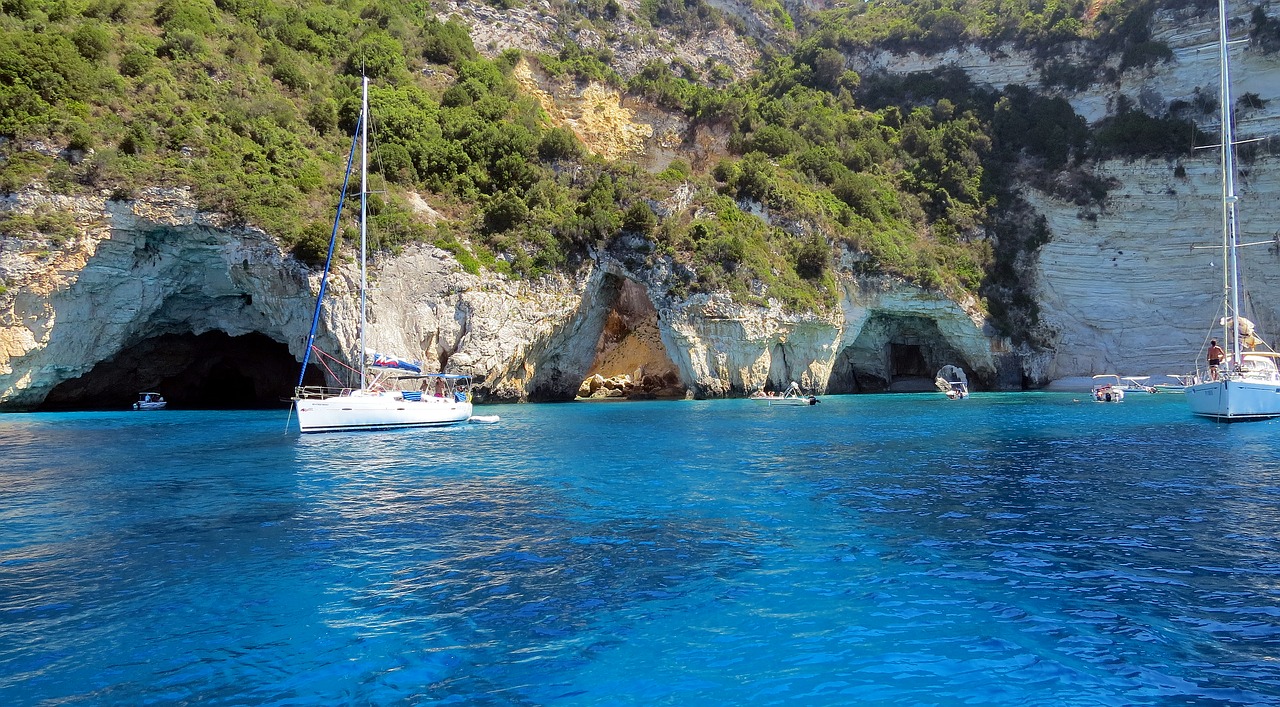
(1008, 549)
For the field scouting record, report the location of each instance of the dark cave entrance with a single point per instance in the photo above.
(893, 353)
(210, 371)
(907, 360)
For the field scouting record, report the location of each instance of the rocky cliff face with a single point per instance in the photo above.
(1136, 288)
(136, 271)
(104, 315)
(1128, 287)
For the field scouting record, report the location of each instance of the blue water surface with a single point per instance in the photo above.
(1008, 549)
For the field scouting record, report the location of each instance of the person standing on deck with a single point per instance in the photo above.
(1216, 354)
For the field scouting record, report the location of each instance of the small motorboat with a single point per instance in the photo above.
(792, 397)
(1182, 381)
(1108, 392)
(150, 401)
(952, 382)
(1138, 384)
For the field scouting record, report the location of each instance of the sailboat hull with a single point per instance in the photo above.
(1235, 400)
(378, 412)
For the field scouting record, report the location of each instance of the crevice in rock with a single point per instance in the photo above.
(205, 371)
(630, 359)
(893, 353)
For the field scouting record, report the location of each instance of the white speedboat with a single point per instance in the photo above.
(791, 397)
(952, 382)
(1127, 385)
(1109, 390)
(150, 401)
(1137, 385)
(1179, 384)
(1246, 384)
(376, 403)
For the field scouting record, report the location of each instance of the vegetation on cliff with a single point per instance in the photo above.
(251, 103)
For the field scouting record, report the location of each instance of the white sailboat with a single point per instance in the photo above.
(443, 399)
(1247, 386)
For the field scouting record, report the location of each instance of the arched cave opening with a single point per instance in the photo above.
(192, 371)
(893, 353)
(631, 362)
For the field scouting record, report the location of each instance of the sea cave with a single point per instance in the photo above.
(212, 370)
(893, 353)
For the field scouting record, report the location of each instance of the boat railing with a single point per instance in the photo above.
(315, 392)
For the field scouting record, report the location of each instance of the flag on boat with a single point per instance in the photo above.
(396, 363)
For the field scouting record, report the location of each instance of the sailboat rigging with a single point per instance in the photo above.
(443, 399)
(1246, 385)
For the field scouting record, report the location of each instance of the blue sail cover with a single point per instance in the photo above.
(396, 363)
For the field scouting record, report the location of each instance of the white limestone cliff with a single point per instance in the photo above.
(158, 266)
(1136, 288)
(1120, 288)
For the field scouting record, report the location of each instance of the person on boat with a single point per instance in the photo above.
(1216, 354)
(439, 387)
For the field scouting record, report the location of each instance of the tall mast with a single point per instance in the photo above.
(364, 175)
(1229, 199)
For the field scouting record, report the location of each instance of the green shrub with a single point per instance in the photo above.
(195, 16)
(136, 62)
(1133, 133)
(639, 219)
(811, 257)
(291, 75)
(377, 55)
(81, 138)
(446, 42)
(559, 144)
(323, 115)
(504, 212)
(113, 10)
(92, 40)
(312, 244)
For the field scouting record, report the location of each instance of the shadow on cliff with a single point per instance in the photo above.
(210, 371)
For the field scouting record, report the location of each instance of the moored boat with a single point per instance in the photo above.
(1240, 385)
(1179, 384)
(1110, 390)
(150, 401)
(377, 402)
(793, 396)
(956, 388)
(1137, 385)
